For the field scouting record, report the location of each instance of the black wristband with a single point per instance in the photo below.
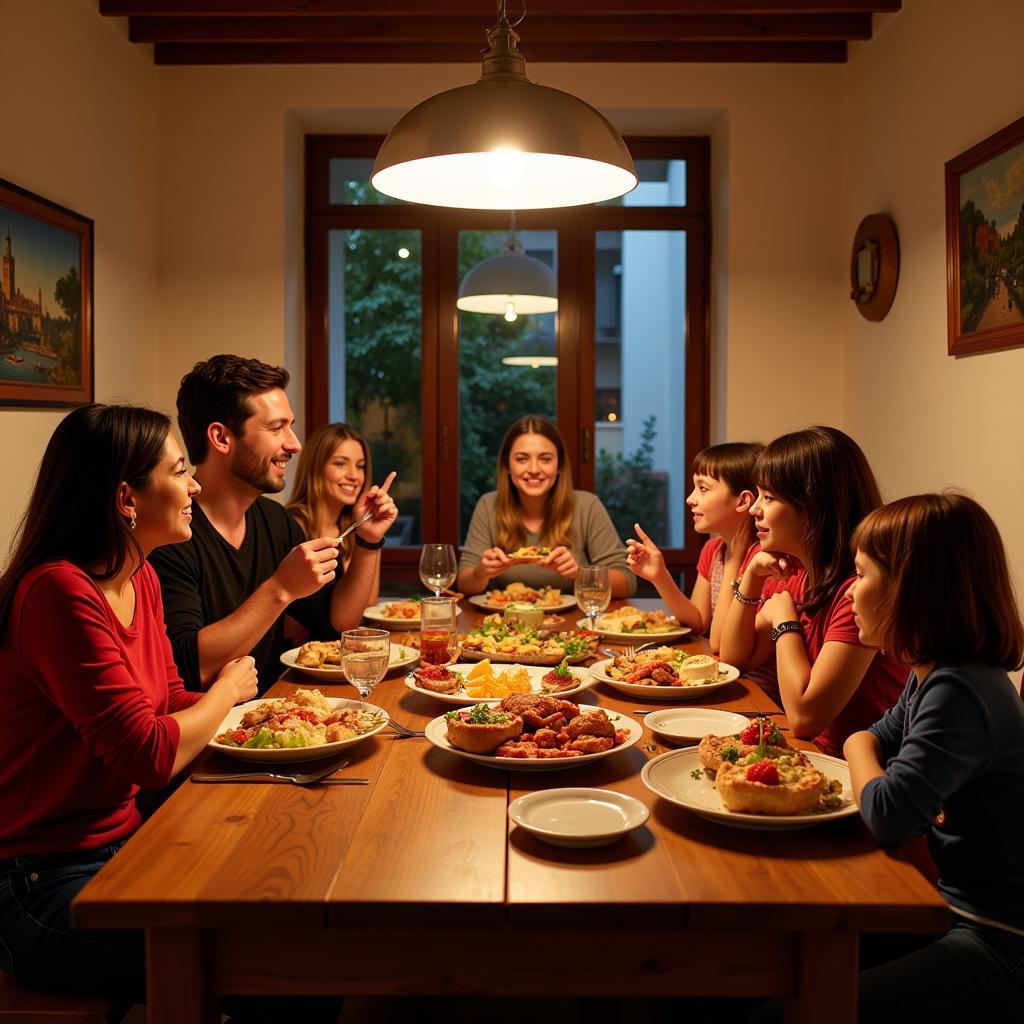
(369, 544)
(790, 626)
(742, 598)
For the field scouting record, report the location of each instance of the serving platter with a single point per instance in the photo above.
(437, 733)
(637, 637)
(537, 672)
(289, 754)
(375, 613)
(480, 601)
(577, 816)
(645, 691)
(671, 776)
(401, 655)
(524, 659)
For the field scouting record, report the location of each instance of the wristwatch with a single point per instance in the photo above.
(790, 626)
(370, 545)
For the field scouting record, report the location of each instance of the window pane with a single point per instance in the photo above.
(640, 415)
(350, 183)
(374, 326)
(662, 183)
(493, 393)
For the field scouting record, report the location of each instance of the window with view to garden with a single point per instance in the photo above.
(621, 367)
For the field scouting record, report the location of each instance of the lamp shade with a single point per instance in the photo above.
(513, 278)
(503, 143)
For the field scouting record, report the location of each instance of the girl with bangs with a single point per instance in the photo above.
(813, 488)
(947, 761)
(334, 472)
(720, 502)
(535, 504)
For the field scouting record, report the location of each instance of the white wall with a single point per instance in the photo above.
(930, 85)
(80, 128)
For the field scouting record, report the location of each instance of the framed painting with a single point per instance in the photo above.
(46, 336)
(985, 244)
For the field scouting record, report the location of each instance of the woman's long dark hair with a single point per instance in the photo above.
(823, 473)
(72, 513)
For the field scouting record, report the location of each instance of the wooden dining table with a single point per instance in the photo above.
(419, 884)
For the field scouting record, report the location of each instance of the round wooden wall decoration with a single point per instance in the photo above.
(874, 266)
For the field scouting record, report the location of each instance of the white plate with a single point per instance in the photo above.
(375, 613)
(234, 716)
(567, 602)
(694, 723)
(578, 817)
(437, 733)
(401, 655)
(670, 777)
(727, 673)
(636, 638)
(537, 672)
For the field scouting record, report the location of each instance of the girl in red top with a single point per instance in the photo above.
(92, 704)
(722, 495)
(813, 488)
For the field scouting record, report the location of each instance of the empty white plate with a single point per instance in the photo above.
(694, 723)
(577, 816)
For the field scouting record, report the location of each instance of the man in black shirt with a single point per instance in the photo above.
(227, 589)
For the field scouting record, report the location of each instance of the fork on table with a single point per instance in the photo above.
(305, 778)
(404, 732)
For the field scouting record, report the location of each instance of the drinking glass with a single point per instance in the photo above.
(439, 640)
(593, 590)
(365, 654)
(437, 567)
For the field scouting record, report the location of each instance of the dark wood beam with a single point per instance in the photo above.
(827, 52)
(484, 9)
(463, 31)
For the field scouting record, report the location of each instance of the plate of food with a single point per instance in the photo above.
(321, 659)
(528, 554)
(665, 674)
(578, 817)
(782, 789)
(305, 726)
(497, 641)
(400, 614)
(625, 624)
(533, 732)
(686, 725)
(479, 682)
(551, 599)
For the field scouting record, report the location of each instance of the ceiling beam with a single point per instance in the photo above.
(484, 9)
(462, 31)
(825, 52)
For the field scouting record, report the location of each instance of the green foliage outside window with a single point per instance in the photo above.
(632, 490)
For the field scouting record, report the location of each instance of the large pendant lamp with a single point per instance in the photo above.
(503, 143)
(509, 283)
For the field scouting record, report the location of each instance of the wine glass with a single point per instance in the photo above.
(439, 640)
(593, 590)
(437, 567)
(365, 654)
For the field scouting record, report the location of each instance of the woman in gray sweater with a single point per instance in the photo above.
(535, 506)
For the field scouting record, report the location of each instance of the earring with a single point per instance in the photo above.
(132, 523)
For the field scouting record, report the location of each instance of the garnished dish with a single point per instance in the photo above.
(463, 684)
(665, 672)
(303, 726)
(766, 784)
(550, 598)
(500, 642)
(532, 732)
(321, 659)
(629, 621)
(529, 553)
(400, 609)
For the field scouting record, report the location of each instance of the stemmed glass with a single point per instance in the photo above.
(437, 567)
(593, 590)
(365, 654)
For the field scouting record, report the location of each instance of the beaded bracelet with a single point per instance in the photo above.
(740, 597)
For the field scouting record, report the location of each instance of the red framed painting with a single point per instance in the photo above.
(985, 244)
(46, 308)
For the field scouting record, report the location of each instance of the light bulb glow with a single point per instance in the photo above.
(403, 253)
(505, 167)
(510, 312)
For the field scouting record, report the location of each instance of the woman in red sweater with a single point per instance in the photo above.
(92, 704)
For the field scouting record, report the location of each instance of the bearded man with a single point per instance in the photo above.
(227, 590)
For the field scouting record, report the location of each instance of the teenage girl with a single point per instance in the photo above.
(722, 495)
(813, 488)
